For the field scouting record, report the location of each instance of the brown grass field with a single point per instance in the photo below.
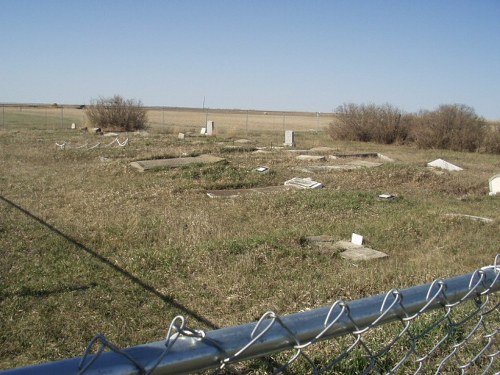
(90, 245)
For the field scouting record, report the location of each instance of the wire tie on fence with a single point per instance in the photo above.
(383, 312)
(104, 344)
(253, 339)
(442, 288)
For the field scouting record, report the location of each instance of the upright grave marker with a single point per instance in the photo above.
(210, 128)
(290, 138)
(495, 185)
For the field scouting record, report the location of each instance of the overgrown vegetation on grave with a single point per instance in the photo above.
(117, 114)
(451, 127)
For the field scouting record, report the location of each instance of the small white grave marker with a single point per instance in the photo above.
(357, 239)
(290, 138)
(181, 136)
(210, 128)
(495, 185)
(443, 164)
(73, 126)
(262, 169)
(203, 131)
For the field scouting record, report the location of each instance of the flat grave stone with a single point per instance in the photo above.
(181, 136)
(233, 193)
(310, 158)
(324, 243)
(486, 220)
(358, 252)
(322, 149)
(304, 183)
(495, 185)
(145, 165)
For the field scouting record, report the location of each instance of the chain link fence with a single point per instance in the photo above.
(449, 326)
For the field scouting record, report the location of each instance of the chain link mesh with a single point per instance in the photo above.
(445, 336)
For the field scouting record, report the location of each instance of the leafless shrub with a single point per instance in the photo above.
(491, 142)
(369, 123)
(452, 126)
(117, 113)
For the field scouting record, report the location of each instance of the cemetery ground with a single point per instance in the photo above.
(90, 245)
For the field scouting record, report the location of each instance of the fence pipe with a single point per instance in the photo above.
(192, 354)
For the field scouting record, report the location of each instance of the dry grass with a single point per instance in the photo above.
(115, 251)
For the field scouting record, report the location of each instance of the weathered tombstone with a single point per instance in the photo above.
(495, 185)
(73, 126)
(210, 127)
(443, 164)
(203, 131)
(290, 138)
(181, 136)
(357, 239)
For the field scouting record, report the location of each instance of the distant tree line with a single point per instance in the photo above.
(451, 126)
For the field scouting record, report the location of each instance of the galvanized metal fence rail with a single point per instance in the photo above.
(447, 326)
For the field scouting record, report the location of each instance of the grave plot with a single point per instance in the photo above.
(353, 250)
(146, 165)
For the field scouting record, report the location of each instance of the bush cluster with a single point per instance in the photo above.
(451, 126)
(117, 114)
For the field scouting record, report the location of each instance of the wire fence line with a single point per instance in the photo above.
(447, 326)
(168, 119)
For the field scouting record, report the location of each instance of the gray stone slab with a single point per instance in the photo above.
(358, 252)
(310, 157)
(303, 183)
(239, 192)
(486, 220)
(145, 165)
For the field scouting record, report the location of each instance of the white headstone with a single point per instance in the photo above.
(181, 136)
(357, 239)
(73, 126)
(440, 163)
(290, 138)
(210, 127)
(495, 185)
(203, 131)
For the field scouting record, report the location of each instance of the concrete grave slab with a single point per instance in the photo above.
(146, 165)
(233, 193)
(495, 185)
(358, 252)
(443, 164)
(243, 141)
(340, 167)
(322, 149)
(485, 220)
(324, 243)
(310, 158)
(304, 183)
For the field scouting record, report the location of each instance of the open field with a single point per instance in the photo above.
(90, 245)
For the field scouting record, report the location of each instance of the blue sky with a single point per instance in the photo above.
(274, 55)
